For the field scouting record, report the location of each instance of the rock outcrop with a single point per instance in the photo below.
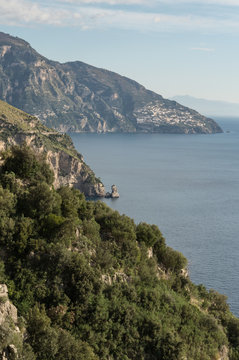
(17, 127)
(7, 309)
(78, 97)
(224, 353)
(73, 172)
(9, 330)
(114, 193)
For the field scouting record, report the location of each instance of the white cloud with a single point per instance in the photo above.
(108, 2)
(213, 2)
(152, 2)
(25, 12)
(20, 12)
(200, 2)
(203, 49)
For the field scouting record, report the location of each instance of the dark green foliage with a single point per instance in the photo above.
(2, 272)
(24, 230)
(52, 222)
(7, 203)
(233, 332)
(24, 163)
(93, 285)
(119, 230)
(38, 201)
(69, 203)
(42, 336)
(170, 259)
(149, 234)
(9, 181)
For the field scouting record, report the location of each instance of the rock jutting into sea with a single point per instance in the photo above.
(18, 128)
(114, 193)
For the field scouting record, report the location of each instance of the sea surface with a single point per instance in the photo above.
(188, 185)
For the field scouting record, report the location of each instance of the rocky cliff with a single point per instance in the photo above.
(78, 97)
(10, 335)
(17, 127)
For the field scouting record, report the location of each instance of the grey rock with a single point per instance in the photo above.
(7, 309)
(113, 194)
(114, 191)
(224, 353)
(10, 353)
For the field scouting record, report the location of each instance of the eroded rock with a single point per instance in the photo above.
(7, 309)
(114, 193)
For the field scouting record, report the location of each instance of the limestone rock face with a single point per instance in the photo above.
(8, 326)
(7, 309)
(224, 353)
(17, 127)
(10, 353)
(72, 172)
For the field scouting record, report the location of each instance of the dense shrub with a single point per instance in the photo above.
(149, 234)
(86, 283)
(25, 164)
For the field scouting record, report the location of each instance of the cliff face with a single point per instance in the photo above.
(69, 171)
(10, 333)
(7, 309)
(78, 97)
(17, 127)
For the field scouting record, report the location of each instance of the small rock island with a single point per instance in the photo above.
(114, 193)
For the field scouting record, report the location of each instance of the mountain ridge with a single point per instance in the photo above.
(75, 96)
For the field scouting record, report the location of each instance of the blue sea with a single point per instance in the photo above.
(188, 185)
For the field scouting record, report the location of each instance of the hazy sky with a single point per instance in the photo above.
(170, 46)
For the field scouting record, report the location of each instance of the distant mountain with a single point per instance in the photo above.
(209, 107)
(75, 96)
(18, 127)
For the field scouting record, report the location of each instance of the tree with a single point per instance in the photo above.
(28, 165)
(149, 234)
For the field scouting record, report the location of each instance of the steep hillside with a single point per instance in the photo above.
(78, 97)
(17, 127)
(90, 284)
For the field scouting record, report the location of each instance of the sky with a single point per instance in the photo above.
(173, 47)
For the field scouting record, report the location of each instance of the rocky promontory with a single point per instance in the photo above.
(77, 97)
(17, 127)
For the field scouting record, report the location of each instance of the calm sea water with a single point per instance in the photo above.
(186, 184)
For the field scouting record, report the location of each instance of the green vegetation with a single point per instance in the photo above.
(91, 284)
(15, 116)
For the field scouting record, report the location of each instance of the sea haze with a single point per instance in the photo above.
(186, 184)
